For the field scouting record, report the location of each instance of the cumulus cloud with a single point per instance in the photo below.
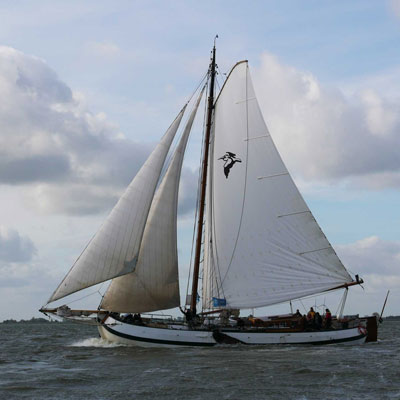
(72, 199)
(326, 135)
(50, 140)
(374, 259)
(15, 248)
(72, 161)
(36, 167)
(75, 162)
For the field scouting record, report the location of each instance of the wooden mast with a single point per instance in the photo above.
(196, 266)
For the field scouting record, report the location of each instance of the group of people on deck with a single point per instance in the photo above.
(315, 320)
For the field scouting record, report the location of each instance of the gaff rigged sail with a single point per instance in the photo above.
(264, 245)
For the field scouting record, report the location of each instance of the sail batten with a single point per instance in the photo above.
(113, 251)
(263, 244)
(154, 284)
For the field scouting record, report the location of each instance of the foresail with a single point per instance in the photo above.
(114, 249)
(154, 284)
(265, 245)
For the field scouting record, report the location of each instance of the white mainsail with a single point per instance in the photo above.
(154, 284)
(114, 249)
(265, 246)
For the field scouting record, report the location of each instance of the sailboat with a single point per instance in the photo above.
(256, 242)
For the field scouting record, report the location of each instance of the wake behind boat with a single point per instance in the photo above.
(257, 243)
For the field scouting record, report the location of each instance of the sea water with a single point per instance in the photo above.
(70, 361)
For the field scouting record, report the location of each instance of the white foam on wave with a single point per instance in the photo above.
(96, 342)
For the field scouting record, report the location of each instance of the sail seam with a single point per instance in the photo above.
(256, 137)
(242, 101)
(295, 213)
(313, 251)
(272, 176)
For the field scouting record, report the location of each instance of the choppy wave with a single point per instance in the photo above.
(96, 342)
(69, 361)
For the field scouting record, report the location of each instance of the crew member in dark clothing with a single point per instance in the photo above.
(328, 319)
(318, 321)
(137, 319)
(303, 323)
(240, 323)
(188, 316)
(128, 319)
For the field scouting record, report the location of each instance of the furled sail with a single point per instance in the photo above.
(154, 284)
(114, 249)
(265, 246)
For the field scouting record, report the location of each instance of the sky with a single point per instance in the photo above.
(87, 89)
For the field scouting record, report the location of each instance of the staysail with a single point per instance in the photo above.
(154, 283)
(264, 245)
(114, 249)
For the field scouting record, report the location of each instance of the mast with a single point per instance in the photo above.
(196, 267)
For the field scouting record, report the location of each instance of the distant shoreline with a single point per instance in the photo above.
(34, 320)
(29, 321)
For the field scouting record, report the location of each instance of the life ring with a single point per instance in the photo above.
(362, 330)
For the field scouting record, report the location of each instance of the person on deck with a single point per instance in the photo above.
(298, 313)
(303, 323)
(311, 319)
(311, 315)
(137, 319)
(188, 316)
(328, 319)
(318, 321)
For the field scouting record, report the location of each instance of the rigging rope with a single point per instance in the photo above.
(171, 152)
(205, 77)
(88, 295)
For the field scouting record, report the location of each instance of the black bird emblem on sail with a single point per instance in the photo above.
(230, 160)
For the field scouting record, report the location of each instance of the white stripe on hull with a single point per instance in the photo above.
(295, 337)
(120, 332)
